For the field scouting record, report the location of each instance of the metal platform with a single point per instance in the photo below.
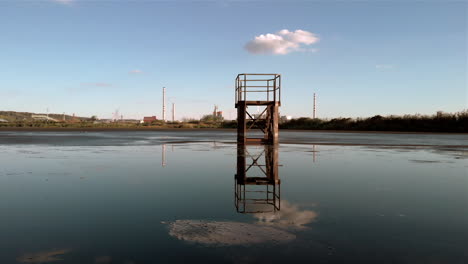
(263, 90)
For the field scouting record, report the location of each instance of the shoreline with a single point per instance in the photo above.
(116, 129)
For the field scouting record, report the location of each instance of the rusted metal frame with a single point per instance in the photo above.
(260, 80)
(279, 90)
(245, 88)
(249, 115)
(257, 91)
(259, 166)
(268, 127)
(274, 198)
(236, 84)
(258, 74)
(279, 196)
(268, 90)
(255, 162)
(257, 86)
(254, 122)
(274, 94)
(244, 198)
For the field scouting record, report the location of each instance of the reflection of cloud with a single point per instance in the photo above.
(289, 216)
(43, 256)
(227, 233)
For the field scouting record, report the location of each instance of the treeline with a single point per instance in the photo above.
(440, 122)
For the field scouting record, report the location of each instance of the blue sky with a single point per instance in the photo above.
(367, 58)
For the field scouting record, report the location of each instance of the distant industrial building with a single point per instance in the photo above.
(149, 119)
(43, 118)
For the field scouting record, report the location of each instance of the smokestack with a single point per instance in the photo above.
(173, 112)
(315, 106)
(164, 104)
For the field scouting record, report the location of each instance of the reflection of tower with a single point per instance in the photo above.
(257, 186)
(163, 161)
(313, 152)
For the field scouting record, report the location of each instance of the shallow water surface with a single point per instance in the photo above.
(158, 197)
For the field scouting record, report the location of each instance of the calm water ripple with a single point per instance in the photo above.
(165, 197)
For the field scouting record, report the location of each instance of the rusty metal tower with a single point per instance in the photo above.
(263, 90)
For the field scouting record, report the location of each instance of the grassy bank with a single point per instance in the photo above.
(110, 125)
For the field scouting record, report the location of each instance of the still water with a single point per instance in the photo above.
(178, 197)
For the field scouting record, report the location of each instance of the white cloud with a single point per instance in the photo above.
(282, 42)
(136, 71)
(64, 2)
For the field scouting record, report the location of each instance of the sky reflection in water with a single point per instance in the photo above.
(167, 203)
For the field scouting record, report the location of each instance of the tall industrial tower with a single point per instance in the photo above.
(315, 107)
(164, 105)
(173, 112)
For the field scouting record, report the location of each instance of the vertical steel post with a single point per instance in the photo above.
(268, 90)
(245, 87)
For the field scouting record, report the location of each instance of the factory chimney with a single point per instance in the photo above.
(164, 105)
(173, 112)
(315, 107)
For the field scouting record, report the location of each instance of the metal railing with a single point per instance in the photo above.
(267, 83)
